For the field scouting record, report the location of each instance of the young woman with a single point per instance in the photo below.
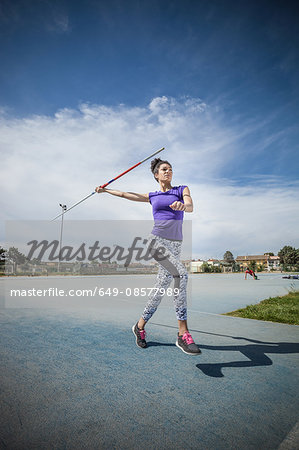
(169, 205)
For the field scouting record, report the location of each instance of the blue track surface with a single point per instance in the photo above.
(75, 379)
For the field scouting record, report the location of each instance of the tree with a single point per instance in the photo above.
(2, 256)
(228, 260)
(228, 257)
(206, 268)
(289, 256)
(15, 257)
(252, 265)
(236, 267)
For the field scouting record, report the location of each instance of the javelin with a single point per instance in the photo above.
(111, 181)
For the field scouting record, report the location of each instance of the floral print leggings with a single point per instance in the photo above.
(170, 268)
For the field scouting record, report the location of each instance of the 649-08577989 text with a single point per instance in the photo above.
(138, 292)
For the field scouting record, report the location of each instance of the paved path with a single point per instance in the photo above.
(73, 379)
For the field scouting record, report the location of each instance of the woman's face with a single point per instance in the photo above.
(164, 173)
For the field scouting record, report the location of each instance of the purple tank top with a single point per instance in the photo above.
(168, 223)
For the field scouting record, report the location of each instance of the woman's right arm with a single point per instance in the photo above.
(128, 195)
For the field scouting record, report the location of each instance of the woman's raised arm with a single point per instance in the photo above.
(135, 197)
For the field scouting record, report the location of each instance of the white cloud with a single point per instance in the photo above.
(61, 23)
(56, 18)
(45, 15)
(252, 219)
(47, 160)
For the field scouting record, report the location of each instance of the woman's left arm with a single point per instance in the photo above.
(187, 200)
(187, 206)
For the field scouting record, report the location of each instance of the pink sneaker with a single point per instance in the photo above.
(140, 336)
(187, 345)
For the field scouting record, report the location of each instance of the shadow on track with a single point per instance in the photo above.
(255, 352)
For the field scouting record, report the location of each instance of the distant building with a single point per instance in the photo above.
(244, 261)
(269, 262)
(273, 263)
(187, 264)
(195, 266)
(213, 262)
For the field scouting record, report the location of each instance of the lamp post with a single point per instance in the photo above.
(63, 208)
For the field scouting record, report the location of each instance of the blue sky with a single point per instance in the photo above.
(216, 83)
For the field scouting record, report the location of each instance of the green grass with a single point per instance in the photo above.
(283, 309)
